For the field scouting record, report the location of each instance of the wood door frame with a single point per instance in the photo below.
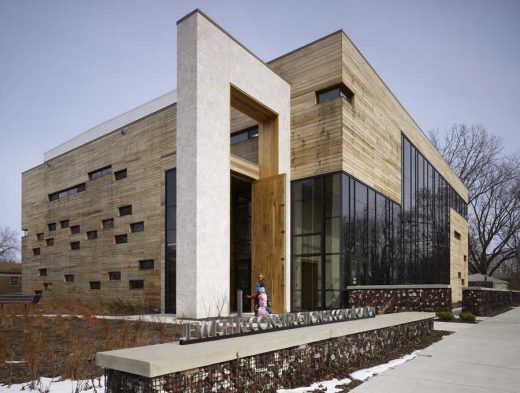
(268, 243)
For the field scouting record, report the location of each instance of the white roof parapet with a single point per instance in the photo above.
(113, 124)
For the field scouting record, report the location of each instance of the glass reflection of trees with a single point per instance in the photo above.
(345, 233)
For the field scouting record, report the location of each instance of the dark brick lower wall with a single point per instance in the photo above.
(388, 300)
(287, 368)
(484, 302)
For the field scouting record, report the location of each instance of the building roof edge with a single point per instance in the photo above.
(113, 124)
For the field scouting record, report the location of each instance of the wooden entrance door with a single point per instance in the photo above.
(268, 237)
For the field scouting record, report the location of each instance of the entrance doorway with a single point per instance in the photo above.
(241, 218)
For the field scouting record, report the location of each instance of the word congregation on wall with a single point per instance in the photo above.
(198, 331)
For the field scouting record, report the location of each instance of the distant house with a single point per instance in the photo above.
(10, 278)
(481, 280)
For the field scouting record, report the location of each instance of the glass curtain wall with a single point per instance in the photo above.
(426, 201)
(369, 234)
(171, 244)
(345, 233)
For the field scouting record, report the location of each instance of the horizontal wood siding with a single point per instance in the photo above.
(372, 130)
(146, 149)
(458, 252)
(315, 129)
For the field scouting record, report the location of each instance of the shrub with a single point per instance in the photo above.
(445, 316)
(467, 316)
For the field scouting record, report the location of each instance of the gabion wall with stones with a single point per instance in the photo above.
(267, 372)
(388, 300)
(482, 302)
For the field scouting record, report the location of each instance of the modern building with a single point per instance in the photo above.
(306, 169)
(10, 278)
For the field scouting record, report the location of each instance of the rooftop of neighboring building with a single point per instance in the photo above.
(478, 277)
(10, 268)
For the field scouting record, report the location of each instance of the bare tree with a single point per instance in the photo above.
(493, 182)
(8, 245)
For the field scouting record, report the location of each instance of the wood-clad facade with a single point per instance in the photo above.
(338, 146)
(10, 278)
(458, 255)
(361, 135)
(146, 149)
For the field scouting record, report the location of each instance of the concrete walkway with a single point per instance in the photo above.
(482, 358)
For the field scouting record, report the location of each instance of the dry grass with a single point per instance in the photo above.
(66, 345)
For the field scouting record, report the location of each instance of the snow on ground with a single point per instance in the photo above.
(363, 375)
(334, 385)
(158, 318)
(327, 386)
(56, 385)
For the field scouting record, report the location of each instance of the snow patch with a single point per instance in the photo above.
(363, 375)
(56, 385)
(333, 385)
(330, 386)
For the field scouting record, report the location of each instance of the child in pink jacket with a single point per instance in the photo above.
(262, 303)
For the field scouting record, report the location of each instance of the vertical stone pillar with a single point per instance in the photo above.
(209, 64)
(203, 173)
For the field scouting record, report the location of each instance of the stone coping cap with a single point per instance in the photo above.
(421, 286)
(155, 360)
(487, 289)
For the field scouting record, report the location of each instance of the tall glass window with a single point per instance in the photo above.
(318, 270)
(171, 243)
(347, 234)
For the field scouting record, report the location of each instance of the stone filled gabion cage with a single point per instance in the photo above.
(285, 368)
(399, 298)
(487, 301)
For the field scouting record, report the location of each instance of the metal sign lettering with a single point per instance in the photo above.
(199, 331)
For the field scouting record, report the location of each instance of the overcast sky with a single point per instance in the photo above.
(66, 66)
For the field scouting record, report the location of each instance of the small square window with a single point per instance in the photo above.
(36, 251)
(100, 173)
(42, 272)
(15, 281)
(69, 277)
(95, 284)
(120, 175)
(64, 224)
(75, 230)
(460, 275)
(49, 242)
(39, 236)
(121, 239)
(108, 223)
(137, 226)
(47, 285)
(51, 226)
(114, 276)
(462, 281)
(457, 235)
(91, 235)
(465, 258)
(146, 264)
(136, 284)
(125, 210)
(74, 245)
(334, 92)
